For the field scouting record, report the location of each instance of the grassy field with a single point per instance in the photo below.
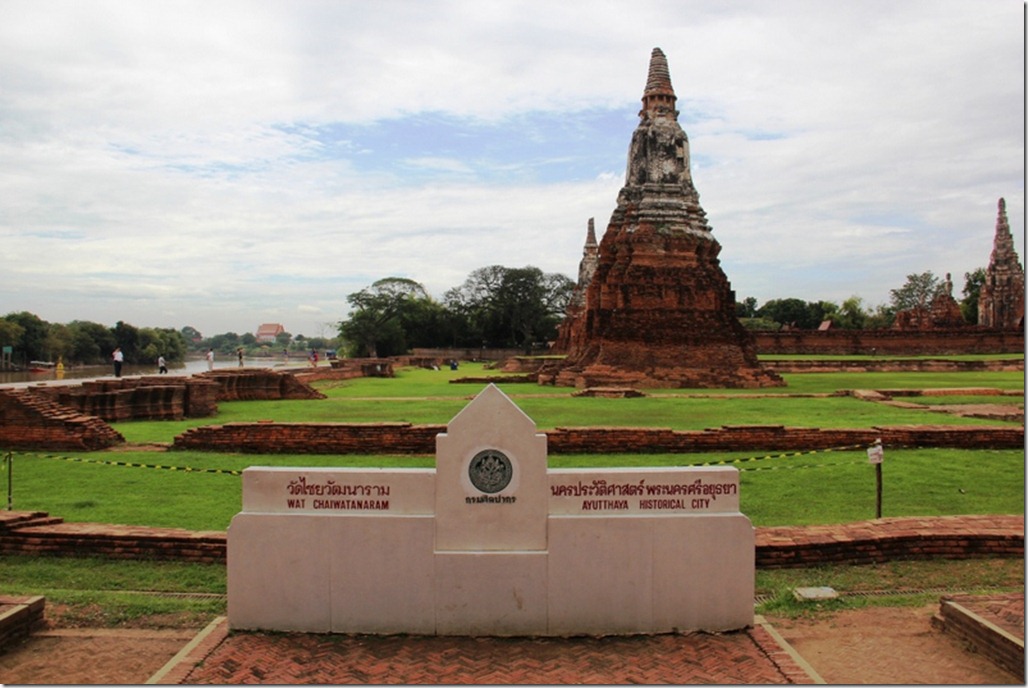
(821, 487)
(105, 593)
(776, 489)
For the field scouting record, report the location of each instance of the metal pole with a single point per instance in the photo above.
(9, 458)
(878, 490)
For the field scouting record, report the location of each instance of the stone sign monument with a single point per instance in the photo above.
(490, 542)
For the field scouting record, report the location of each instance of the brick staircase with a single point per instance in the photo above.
(35, 422)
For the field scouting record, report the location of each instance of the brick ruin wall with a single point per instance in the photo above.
(862, 542)
(76, 417)
(260, 384)
(917, 365)
(1004, 649)
(405, 438)
(349, 368)
(954, 341)
(175, 398)
(143, 398)
(32, 422)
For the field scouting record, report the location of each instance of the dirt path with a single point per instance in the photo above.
(91, 655)
(887, 645)
(875, 645)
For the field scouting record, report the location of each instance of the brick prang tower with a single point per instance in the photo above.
(1001, 299)
(658, 311)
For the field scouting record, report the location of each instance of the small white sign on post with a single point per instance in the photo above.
(875, 454)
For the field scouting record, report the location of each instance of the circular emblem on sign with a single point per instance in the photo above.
(490, 471)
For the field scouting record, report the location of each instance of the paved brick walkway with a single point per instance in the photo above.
(753, 656)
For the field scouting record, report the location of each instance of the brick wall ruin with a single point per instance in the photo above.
(405, 438)
(956, 341)
(258, 384)
(29, 421)
(861, 542)
(75, 417)
(144, 398)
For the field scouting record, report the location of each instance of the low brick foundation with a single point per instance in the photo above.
(154, 397)
(29, 421)
(405, 438)
(968, 618)
(37, 533)
(258, 384)
(935, 342)
(919, 365)
(19, 615)
(861, 542)
(889, 539)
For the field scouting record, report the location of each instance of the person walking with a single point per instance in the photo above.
(119, 358)
(239, 352)
(162, 365)
(210, 359)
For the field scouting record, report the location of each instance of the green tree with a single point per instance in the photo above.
(31, 346)
(509, 307)
(92, 343)
(60, 342)
(881, 318)
(376, 324)
(283, 339)
(747, 308)
(127, 338)
(10, 333)
(192, 336)
(851, 314)
(916, 294)
(973, 282)
(165, 342)
(791, 312)
(225, 343)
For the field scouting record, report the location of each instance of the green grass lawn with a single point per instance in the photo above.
(776, 489)
(824, 487)
(796, 489)
(422, 396)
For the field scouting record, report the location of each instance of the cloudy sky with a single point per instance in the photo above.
(223, 164)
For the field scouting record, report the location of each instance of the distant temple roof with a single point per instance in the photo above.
(269, 331)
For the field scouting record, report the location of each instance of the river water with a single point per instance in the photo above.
(23, 377)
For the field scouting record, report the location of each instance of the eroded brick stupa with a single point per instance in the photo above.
(658, 310)
(1001, 299)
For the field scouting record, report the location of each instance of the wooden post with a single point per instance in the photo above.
(875, 455)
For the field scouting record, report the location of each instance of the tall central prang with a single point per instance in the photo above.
(658, 310)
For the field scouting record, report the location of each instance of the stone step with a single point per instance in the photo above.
(14, 520)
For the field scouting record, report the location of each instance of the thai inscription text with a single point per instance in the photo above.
(334, 496)
(638, 495)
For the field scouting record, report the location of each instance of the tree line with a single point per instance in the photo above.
(495, 307)
(501, 307)
(81, 342)
(916, 294)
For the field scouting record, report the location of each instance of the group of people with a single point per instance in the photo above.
(119, 360)
(118, 357)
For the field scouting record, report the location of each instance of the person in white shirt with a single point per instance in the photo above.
(119, 358)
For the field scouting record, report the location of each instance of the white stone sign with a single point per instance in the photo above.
(491, 542)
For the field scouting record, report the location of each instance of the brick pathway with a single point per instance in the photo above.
(1006, 611)
(756, 655)
(753, 656)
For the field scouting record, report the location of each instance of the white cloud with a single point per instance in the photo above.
(165, 164)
